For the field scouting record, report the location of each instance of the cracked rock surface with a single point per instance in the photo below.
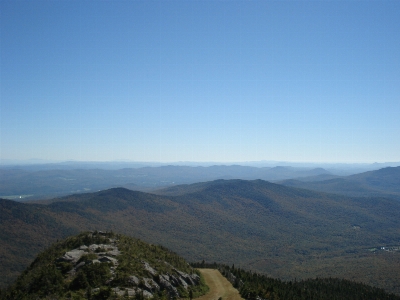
(126, 272)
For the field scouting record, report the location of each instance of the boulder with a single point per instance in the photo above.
(174, 280)
(196, 278)
(72, 256)
(133, 280)
(118, 291)
(108, 259)
(149, 269)
(124, 291)
(81, 264)
(183, 283)
(114, 252)
(106, 247)
(186, 277)
(166, 285)
(150, 285)
(93, 247)
(131, 292)
(146, 294)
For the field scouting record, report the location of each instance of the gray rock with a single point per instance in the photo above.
(146, 294)
(72, 272)
(114, 252)
(164, 277)
(150, 285)
(149, 269)
(174, 280)
(72, 256)
(166, 285)
(183, 283)
(189, 280)
(118, 291)
(168, 264)
(180, 273)
(123, 291)
(81, 264)
(93, 247)
(196, 278)
(106, 247)
(133, 280)
(131, 292)
(108, 259)
(186, 277)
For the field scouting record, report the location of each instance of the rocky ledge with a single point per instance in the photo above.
(146, 286)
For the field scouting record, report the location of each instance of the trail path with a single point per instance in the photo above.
(219, 286)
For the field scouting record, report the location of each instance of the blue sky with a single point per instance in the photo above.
(223, 81)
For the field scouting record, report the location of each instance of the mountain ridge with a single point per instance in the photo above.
(383, 182)
(102, 265)
(28, 185)
(287, 232)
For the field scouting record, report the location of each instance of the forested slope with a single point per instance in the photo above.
(288, 233)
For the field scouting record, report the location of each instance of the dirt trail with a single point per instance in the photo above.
(219, 286)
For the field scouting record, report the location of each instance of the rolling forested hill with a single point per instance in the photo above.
(380, 183)
(37, 184)
(285, 232)
(104, 265)
(101, 265)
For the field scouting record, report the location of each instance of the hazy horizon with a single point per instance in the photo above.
(200, 81)
(33, 161)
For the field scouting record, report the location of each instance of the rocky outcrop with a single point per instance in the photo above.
(103, 249)
(150, 285)
(72, 256)
(103, 253)
(149, 269)
(100, 265)
(133, 280)
(147, 285)
(109, 259)
(190, 279)
(165, 284)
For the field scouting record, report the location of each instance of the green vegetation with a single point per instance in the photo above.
(252, 285)
(46, 183)
(50, 277)
(379, 183)
(287, 232)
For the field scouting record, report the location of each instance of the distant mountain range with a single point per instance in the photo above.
(283, 231)
(380, 183)
(27, 184)
(41, 165)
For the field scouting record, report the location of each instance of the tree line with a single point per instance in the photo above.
(255, 286)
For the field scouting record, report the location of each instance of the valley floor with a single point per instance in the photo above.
(219, 286)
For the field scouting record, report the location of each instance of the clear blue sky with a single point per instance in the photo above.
(304, 81)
